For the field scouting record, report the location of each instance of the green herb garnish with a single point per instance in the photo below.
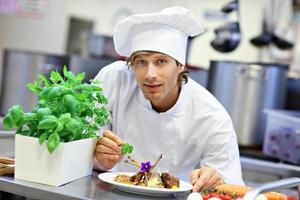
(67, 110)
(127, 148)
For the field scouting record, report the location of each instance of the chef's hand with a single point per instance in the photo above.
(108, 151)
(205, 177)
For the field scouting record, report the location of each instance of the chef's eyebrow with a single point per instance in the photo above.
(161, 56)
(156, 56)
(137, 56)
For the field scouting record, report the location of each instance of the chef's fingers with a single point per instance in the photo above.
(205, 174)
(106, 161)
(114, 158)
(113, 137)
(104, 149)
(105, 141)
(194, 176)
(214, 180)
(198, 185)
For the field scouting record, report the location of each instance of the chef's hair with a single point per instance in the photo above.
(182, 77)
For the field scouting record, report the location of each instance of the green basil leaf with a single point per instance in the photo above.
(53, 142)
(29, 116)
(66, 90)
(80, 76)
(73, 125)
(65, 71)
(49, 122)
(34, 88)
(44, 80)
(44, 94)
(8, 122)
(43, 137)
(64, 133)
(16, 112)
(70, 77)
(70, 102)
(55, 77)
(54, 92)
(65, 118)
(42, 112)
(60, 127)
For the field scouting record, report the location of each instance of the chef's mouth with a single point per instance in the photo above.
(152, 85)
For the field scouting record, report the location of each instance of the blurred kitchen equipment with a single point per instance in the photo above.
(231, 6)
(7, 143)
(245, 89)
(292, 182)
(293, 94)
(91, 66)
(78, 29)
(95, 45)
(264, 38)
(282, 135)
(106, 49)
(20, 68)
(276, 18)
(198, 74)
(228, 36)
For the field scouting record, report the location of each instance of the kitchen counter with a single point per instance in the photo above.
(254, 171)
(86, 188)
(260, 168)
(7, 143)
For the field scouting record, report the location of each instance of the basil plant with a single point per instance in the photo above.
(67, 110)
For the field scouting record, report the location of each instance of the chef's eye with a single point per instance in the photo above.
(140, 63)
(161, 61)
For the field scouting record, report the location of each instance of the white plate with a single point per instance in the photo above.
(108, 177)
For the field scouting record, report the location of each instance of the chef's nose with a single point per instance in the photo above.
(151, 71)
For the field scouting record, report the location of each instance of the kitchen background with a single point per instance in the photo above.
(249, 58)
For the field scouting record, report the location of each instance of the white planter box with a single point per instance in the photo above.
(68, 162)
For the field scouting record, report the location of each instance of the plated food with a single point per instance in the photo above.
(147, 178)
(109, 177)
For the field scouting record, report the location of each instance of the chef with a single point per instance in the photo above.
(157, 109)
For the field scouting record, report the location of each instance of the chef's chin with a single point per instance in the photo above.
(152, 96)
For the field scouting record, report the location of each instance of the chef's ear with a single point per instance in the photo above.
(180, 68)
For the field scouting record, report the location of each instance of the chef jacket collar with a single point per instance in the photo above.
(172, 111)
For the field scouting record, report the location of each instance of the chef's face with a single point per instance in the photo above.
(157, 76)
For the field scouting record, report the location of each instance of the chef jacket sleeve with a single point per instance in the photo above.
(221, 152)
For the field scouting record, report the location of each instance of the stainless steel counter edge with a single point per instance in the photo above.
(90, 187)
(34, 190)
(278, 168)
(9, 134)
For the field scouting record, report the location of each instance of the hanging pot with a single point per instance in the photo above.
(231, 6)
(227, 37)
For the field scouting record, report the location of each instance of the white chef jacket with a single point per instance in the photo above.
(196, 130)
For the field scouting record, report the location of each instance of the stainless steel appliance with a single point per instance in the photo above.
(91, 66)
(245, 89)
(20, 68)
(293, 94)
(199, 75)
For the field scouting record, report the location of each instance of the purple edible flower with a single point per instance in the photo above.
(145, 166)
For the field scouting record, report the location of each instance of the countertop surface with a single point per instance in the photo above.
(91, 187)
(86, 188)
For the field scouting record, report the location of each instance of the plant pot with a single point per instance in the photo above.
(70, 161)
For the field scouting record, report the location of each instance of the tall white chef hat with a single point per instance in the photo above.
(166, 32)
